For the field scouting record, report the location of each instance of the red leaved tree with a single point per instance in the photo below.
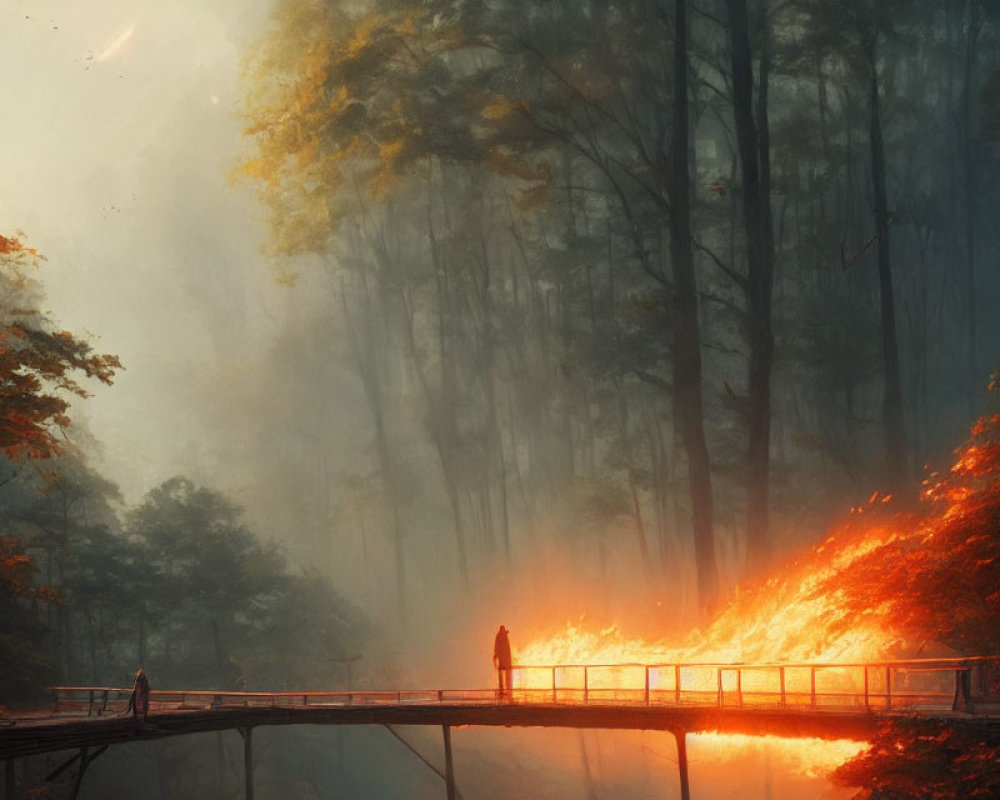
(939, 580)
(41, 368)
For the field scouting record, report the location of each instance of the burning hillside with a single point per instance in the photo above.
(886, 585)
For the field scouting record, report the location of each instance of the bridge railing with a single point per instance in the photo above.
(881, 686)
(931, 684)
(114, 701)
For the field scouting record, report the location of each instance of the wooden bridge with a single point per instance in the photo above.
(831, 701)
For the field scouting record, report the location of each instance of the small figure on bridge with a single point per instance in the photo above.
(502, 663)
(138, 703)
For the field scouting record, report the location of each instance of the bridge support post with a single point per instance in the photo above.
(682, 763)
(449, 766)
(9, 780)
(247, 734)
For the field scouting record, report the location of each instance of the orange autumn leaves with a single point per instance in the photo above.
(38, 366)
(343, 103)
(938, 579)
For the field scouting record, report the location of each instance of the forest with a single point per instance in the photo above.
(625, 305)
(680, 282)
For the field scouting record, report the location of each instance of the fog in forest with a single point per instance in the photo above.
(435, 316)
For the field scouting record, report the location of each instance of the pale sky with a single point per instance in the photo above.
(119, 134)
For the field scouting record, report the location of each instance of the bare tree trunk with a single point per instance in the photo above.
(640, 527)
(687, 337)
(753, 141)
(364, 352)
(892, 401)
(970, 167)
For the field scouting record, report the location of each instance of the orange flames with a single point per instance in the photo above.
(800, 615)
(782, 620)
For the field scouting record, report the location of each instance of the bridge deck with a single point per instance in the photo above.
(41, 735)
(36, 734)
(795, 700)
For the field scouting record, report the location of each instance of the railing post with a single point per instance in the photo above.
(868, 706)
(718, 677)
(739, 687)
(888, 688)
(781, 678)
(90, 705)
(586, 687)
(553, 684)
(677, 684)
(812, 687)
(646, 689)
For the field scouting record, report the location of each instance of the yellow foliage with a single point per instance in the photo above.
(388, 151)
(313, 147)
(534, 197)
(363, 35)
(504, 163)
(338, 99)
(307, 154)
(408, 26)
(500, 108)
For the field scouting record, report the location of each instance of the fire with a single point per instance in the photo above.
(812, 758)
(783, 620)
(812, 612)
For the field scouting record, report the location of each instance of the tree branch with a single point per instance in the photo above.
(733, 275)
(654, 380)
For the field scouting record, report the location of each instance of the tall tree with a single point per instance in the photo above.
(753, 145)
(486, 84)
(38, 367)
(968, 154)
(856, 31)
(892, 398)
(38, 364)
(687, 336)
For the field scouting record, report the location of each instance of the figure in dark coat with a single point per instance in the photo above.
(502, 662)
(138, 703)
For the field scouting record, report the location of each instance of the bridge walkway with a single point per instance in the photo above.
(796, 700)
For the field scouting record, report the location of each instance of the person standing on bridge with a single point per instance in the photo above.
(503, 664)
(139, 701)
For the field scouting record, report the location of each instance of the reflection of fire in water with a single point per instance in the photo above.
(802, 615)
(784, 620)
(814, 758)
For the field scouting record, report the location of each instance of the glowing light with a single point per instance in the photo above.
(814, 758)
(799, 616)
(112, 49)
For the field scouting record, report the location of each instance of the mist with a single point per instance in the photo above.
(418, 325)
